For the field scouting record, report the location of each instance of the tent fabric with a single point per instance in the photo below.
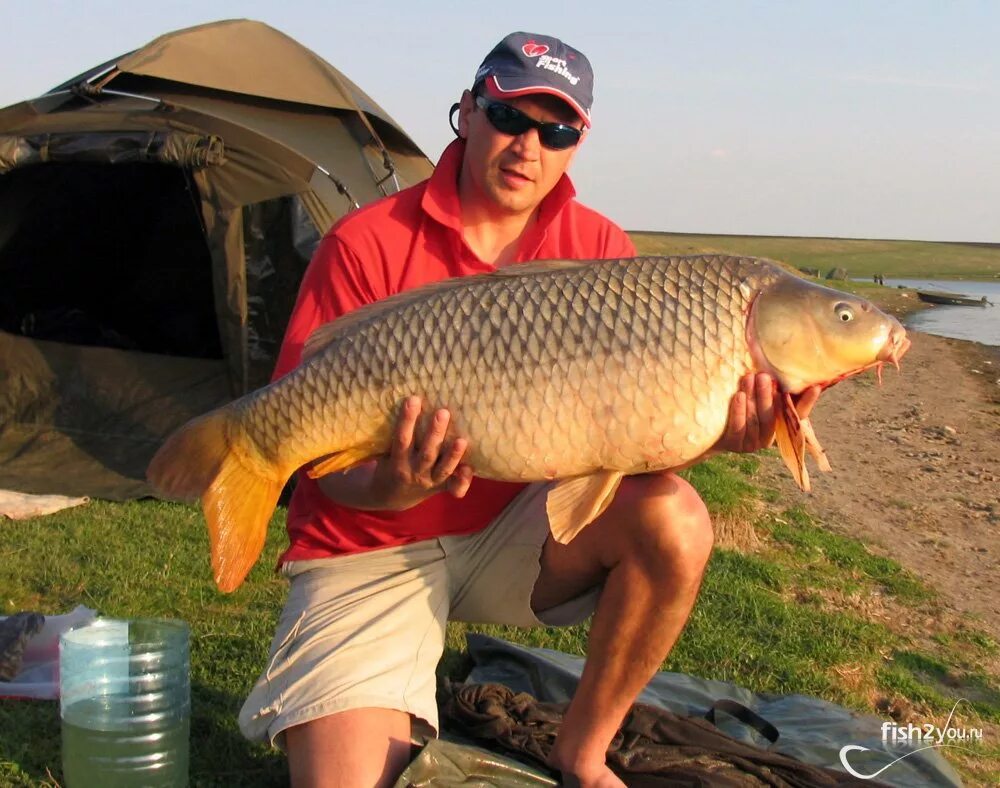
(266, 160)
(810, 730)
(239, 56)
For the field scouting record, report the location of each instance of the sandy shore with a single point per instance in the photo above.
(917, 469)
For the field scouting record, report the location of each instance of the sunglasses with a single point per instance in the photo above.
(510, 120)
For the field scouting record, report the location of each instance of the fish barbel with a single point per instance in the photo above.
(580, 371)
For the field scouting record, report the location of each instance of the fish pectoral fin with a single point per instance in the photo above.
(576, 502)
(813, 447)
(792, 441)
(340, 461)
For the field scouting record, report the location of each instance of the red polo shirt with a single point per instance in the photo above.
(413, 238)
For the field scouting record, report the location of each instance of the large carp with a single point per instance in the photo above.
(569, 370)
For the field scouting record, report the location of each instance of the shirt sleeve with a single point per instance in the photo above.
(334, 284)
(618, 244)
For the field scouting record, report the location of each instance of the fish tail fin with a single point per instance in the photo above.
(200, 460)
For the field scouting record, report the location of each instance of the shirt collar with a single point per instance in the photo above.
(441, 203)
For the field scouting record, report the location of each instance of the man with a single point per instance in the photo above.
(381, 556)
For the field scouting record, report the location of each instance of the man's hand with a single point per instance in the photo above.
(752, 413)
(415, 470)
(410, 473)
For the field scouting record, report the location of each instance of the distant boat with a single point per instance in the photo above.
(951, 299)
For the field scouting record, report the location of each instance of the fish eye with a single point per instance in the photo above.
(844, 313)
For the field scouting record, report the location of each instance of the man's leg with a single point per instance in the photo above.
(650, 549)
(359, 748)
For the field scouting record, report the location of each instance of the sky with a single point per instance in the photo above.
(843, 119)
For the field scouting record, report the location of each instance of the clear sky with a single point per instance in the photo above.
(845, 118)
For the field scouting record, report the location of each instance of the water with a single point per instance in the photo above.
(154, 754)
(124, 692)
(980, 324)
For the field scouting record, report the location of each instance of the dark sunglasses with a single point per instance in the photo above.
(510, 120)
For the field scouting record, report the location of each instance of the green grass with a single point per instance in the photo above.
(861, 258)
(777, 621)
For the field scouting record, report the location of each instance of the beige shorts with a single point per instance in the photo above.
(367, 630)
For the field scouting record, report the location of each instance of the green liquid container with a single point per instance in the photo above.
(125, 703)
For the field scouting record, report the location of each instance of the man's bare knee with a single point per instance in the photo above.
(667, 521)
(350, 749)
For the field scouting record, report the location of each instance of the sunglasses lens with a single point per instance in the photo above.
(507, 119)
(510, 120)
(558, 137)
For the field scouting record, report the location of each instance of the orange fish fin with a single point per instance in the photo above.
(576, 502)
(340, 461)
(791, 441)
(813, 447)
(238, 506)
(199, 460)
(190, 459)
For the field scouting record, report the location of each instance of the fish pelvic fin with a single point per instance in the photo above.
(791, 440)
(576, 502)
(341, 461)
(200, 460)
(813, 447)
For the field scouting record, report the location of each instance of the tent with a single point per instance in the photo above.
(156, 215)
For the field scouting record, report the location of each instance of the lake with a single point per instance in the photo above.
(960, 322)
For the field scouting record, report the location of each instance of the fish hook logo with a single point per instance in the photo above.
(851, 747)
(925, 733)
(531, 49)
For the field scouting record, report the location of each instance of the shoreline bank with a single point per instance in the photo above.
(916, 474)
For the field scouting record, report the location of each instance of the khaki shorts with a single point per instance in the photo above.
(367, 630)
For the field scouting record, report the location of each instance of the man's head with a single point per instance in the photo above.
(523, 120)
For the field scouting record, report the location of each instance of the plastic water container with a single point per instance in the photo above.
(125, 702)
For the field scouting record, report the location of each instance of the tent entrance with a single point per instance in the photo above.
(106, 255)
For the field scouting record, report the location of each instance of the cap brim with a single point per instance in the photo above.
(513, 87)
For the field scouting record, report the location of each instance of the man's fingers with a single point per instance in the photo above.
(405, 425)
(752, 431)
(764, 395)
(807, 399)
(430, 446)
(738, 413)
(458, 483)
(448, 463)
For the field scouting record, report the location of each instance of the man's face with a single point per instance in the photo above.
(513, 173)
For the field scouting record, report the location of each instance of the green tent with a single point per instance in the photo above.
(156, 215)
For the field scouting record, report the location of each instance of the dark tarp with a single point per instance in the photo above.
(808, 729)
(156, 215)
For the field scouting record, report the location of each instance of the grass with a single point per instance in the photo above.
(861, 258)
(808, 612)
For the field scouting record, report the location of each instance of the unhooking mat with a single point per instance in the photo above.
(808, 729)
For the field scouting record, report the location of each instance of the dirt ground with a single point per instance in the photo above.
(916, 469)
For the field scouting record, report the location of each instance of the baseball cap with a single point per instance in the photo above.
(525, 63)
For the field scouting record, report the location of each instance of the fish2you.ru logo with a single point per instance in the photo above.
(928, 734)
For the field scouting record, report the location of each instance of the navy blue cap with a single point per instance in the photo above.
(525, 63)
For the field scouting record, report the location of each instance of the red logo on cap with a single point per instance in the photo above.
(531, 49)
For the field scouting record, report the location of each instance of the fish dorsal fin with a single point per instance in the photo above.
(576, 502)
(328, 333)
(540, 267)
(792, 441)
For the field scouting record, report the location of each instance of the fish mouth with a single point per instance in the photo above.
(895, 346)
(892, 351)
